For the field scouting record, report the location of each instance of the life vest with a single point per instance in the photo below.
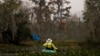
(49, 45)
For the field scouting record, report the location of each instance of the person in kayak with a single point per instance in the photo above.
(49, 45)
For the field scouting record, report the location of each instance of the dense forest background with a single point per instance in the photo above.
(48, 19)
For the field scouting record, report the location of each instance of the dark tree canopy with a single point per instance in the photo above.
(13, 22)
(92, 17)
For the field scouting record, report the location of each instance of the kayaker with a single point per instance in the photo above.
(49, 45)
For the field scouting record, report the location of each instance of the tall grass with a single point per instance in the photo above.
(64, 49)
(68, 52)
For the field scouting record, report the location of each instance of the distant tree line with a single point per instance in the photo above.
(47, 19)
(13, 22)
(92, 19)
